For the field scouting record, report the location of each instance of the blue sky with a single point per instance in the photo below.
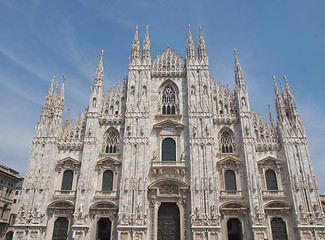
(40, 39)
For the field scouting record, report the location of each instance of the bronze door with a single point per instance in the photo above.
(60, 230)
(168, 222)
(279, 231)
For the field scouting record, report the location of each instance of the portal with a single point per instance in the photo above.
(168, 222)
(104, 226)
(234, 229)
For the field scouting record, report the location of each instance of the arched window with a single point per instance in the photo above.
(112, 142)
(271, 182)
(230, 180)
(4, 209)
(168, 150)
(67, 180)
(60, 230)
(169, 100)
(226, 143)
(107, 184)
(279, 230)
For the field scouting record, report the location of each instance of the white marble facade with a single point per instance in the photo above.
(170, 138)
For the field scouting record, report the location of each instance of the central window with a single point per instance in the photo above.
(168, 149)
(169, 100)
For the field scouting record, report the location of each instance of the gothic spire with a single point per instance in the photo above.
(271, 118)
(201, 43)
(190, 44)
(51, 87)
(56, 89)
(287, 85)
(99, 72)
(279, 103)
(61, 94)
(290, 99)
(238, 71)
(66, 122)
(135, 45)
(146, 46)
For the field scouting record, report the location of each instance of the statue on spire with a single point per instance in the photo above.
(201, 48)
(99, 72)
(135, 54)
(190, 44)
(238, 72)
(146, 46)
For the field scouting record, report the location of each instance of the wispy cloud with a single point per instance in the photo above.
(27, 65)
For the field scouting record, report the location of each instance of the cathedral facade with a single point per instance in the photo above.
(168, 153)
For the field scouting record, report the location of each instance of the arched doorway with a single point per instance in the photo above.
(234, 229)
(168, 222)
(9, 235)
(104, 226)
(279, 230)
(60, 230)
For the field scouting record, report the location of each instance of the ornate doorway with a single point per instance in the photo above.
(279, 230)
(60, 230)
(104, 226)
(168, 222)
(234, 229)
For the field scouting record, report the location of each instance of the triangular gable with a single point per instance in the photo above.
(168, 122)
(68, 159)
(269, 158)
(108, 159)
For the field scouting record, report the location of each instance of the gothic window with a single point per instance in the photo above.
(168, 149)
(226, 143)
(169, 100)
(60, 230)
(230, 180)
(279, 230)
(271, 182)
(67, 180)
(112, 142)
(107, 184)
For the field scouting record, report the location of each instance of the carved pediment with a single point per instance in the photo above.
(62, 205)
(168, 123)
(104, 205)
(108, 162)
(229, 162)
(168, 183)
(168, 127)
(233, 206)
(274, 205)
(269, 159)
(68, 163)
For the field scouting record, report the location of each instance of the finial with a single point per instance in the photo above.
(236, 58)
(53, 79)
(68, 114)
(102, 52)
(189, 27)
(274, 79)
(136, 32)
(147, 33)
(285, 79)
(63, 78)
(200, 27)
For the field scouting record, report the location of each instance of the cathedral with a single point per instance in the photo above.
(170, 154)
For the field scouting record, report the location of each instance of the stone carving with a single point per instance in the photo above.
(168, 189)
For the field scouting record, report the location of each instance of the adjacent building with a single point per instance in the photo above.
(9, 179)
(169, 153)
